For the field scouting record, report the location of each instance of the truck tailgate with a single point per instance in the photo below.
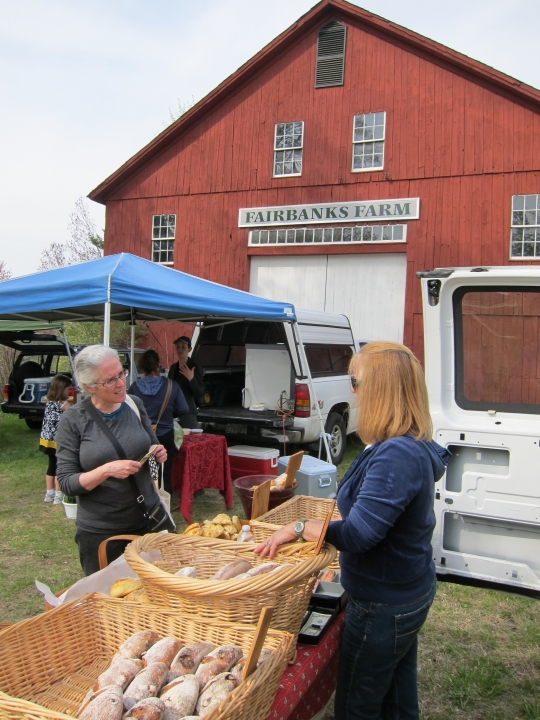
(239, 415)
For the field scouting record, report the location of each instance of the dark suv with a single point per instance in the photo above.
(37, 357)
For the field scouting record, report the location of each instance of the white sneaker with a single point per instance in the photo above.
(58, 497)
(49, 497)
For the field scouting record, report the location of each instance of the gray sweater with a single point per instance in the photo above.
(82, 446)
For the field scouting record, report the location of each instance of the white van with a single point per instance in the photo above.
(259, 388)
(482, 361)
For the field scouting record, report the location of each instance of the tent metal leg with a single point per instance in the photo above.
(107, 324)
(313, 394)
(132, 375)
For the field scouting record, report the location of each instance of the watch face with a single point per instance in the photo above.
(299, 527)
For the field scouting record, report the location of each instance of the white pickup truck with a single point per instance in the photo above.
(258, 387)
(482, 361)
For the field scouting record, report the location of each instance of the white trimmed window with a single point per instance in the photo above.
(163, 234)
(288, 144)
(525, 232)
(368, 142)
(329, 235)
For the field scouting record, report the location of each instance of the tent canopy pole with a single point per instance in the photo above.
(315, 403)
(107, 324)
(132, 374)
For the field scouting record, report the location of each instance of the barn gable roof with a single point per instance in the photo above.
(325, 10)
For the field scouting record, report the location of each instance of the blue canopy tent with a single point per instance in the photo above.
(113, 287)
(126, 287)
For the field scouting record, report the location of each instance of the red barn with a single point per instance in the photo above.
(345, 156)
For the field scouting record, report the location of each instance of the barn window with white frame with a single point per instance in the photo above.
(525, 232)
(368, 141)
(163, 234)
(288, 145)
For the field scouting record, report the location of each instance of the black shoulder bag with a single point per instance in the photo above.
(156, 515)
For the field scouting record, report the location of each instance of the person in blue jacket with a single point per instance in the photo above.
(152, 390)
(384, 537)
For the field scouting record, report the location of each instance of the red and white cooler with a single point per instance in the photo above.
(249, 460)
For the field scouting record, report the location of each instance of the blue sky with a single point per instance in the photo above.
(85, 84)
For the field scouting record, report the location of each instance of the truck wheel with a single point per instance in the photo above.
(33, 424)
(335, 426)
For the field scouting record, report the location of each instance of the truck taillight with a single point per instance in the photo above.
(302, 400)
(6, 392)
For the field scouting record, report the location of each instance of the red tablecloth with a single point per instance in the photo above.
(307, 686)
(202, 462)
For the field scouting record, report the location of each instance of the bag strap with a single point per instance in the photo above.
(131, 403)
(94, 413)
(165, 402)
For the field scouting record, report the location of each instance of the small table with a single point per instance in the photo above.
(308, 684)
(202, 462)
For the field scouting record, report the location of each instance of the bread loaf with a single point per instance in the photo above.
(135, 645)
(180, 697)
(187, 572)
(104, 704)
(218, 661)
(232, 569)
(188, 659)
(122, 587)
(147, 683)
(121, 672)
(215, 692)
(148, 709)
(163, 651)
(138, 596)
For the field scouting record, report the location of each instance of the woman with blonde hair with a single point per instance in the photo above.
(384, 537)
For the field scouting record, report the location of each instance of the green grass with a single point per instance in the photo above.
(479, 656)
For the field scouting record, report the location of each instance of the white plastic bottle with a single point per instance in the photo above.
(245, 535)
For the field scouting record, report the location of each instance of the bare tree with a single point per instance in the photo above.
(181, 108)
(85, 242)
(6, 354)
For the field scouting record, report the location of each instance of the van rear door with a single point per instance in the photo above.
(482, 361)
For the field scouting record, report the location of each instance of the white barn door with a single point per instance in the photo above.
(369, 289)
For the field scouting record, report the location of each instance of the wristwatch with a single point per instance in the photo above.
(299, 528)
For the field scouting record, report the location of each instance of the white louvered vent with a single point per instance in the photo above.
(330, 55)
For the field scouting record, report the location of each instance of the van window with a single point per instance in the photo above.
(497, 349)
(328, 360)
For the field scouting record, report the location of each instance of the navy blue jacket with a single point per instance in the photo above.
(386, 502)
(152, 390)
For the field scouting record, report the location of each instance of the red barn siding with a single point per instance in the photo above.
(459, 145)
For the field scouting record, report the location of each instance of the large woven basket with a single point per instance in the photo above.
(288, 590)
(48, 663)
(300, 506)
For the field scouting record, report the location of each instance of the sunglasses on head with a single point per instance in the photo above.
(355, 384)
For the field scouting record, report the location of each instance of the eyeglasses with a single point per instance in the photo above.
(112, 382)
(355, 384)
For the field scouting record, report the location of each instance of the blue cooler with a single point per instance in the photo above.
(315, 477)
(35, 390)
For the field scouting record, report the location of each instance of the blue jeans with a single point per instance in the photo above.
(377, 666)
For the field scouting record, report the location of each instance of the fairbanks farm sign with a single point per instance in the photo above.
(364, 211)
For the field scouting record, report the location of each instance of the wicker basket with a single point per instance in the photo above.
(288, 591)
(300, 506)
(48, 663)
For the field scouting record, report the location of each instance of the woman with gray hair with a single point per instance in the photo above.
(89, 465)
